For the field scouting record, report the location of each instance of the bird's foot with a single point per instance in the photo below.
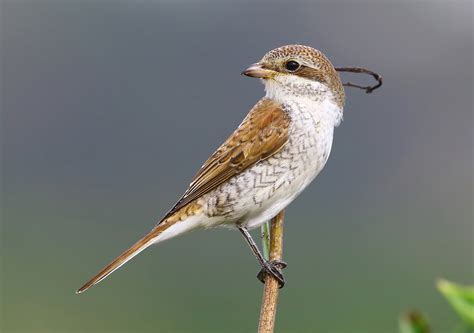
(273, 268)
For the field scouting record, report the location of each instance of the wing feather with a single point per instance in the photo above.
(260, 135)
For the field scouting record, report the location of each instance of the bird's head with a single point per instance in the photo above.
(298, 70)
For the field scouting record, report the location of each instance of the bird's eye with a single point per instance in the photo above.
(292, 65)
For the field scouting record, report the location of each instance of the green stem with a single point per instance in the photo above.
(265, 229)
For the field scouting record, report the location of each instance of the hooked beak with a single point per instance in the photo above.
(256, 70)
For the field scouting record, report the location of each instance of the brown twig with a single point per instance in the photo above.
(368, 89)
(270, 293)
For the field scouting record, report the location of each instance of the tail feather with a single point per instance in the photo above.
(180, 222)
(135, 249)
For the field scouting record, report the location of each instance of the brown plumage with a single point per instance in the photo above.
(123, 258)
(240, 185)
(261, 134)
(315, 66)
(141, 245)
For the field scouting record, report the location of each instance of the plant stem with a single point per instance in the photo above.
(270, 293)
(265, 229)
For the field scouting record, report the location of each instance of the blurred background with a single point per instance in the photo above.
(109, 108)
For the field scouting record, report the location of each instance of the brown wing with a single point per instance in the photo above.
(261, 134)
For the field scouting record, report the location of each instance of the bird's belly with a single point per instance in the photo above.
(260, 192)
(270, 199)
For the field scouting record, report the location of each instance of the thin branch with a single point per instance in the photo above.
(368, 89)
(270, 293)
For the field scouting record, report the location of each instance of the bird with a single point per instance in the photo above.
(274, 154)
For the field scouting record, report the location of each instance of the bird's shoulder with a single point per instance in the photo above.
(262, 133)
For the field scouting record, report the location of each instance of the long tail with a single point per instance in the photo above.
(154, 236)
(135, 249)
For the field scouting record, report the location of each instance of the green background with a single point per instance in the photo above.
(109, 108)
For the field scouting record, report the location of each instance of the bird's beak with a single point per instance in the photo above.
(256, 70)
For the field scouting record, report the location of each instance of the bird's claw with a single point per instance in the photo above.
(273, 268)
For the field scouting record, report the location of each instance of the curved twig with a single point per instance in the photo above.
(368, 89)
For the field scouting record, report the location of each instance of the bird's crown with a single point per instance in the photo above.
(304, 62)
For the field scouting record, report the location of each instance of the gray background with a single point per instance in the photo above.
(109, 108)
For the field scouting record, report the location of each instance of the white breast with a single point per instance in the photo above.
(299, 162)
(260, 192)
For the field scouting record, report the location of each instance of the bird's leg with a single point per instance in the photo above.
(272, 267)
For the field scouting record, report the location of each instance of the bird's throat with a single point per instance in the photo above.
(312, 96)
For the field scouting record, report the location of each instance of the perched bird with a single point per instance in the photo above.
(278, 149)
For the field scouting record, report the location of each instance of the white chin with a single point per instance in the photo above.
(288, 86)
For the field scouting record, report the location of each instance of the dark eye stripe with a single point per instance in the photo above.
(312, 74)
